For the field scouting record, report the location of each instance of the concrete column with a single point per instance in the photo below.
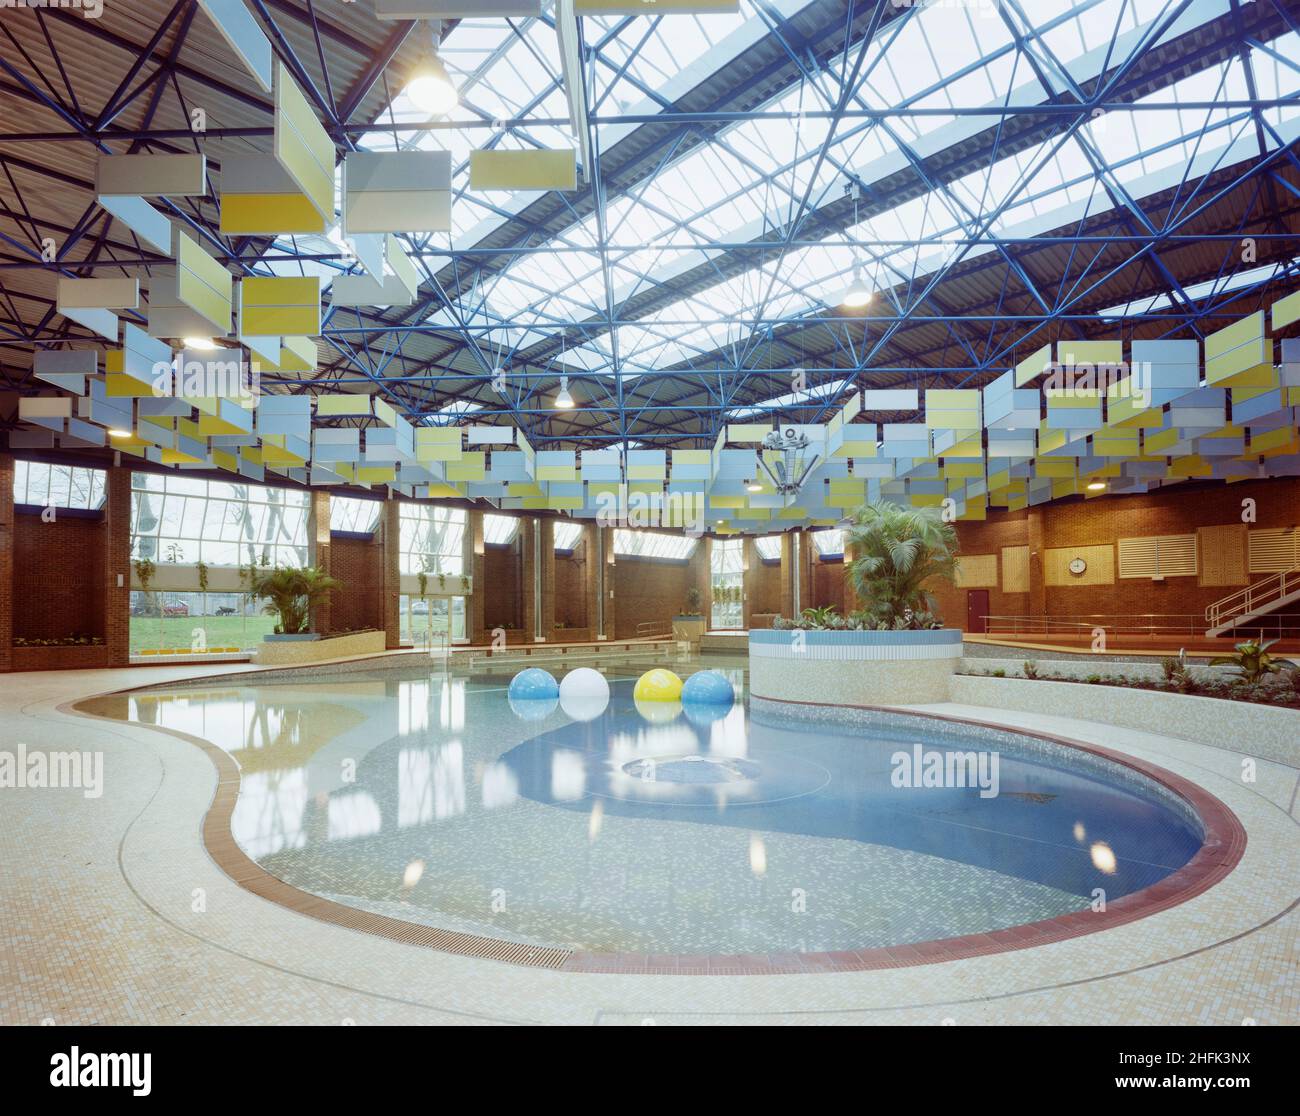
(546, 574)
(476, 567)
(390, 524)
(591, 580)
(851, 601)
(6, 561)
(318, 555)
(117, 565)
(795, 562)
(537, 560)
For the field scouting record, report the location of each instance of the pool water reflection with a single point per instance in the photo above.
(670, 830)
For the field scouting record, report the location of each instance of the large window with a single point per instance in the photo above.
(358, 516)
(178, 522)
(829, 543)
(498, 530)
(652, 544)
(433, 539)
(727, 578)
(58, 486)
(567, 535)
(185, 521)
(768, 547)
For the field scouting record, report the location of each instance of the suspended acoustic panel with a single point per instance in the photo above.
(397, 191)
(259, 197)
(244, 35)
(203, 285)
(175, 176)
(302, 146)
(456, 9)
(523, 170)
(656, 7)
(280, 305)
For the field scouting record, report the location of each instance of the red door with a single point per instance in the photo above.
(977, 611)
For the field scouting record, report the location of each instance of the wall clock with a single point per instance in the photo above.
(1078, 566)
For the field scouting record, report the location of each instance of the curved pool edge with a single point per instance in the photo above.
(1222, 848)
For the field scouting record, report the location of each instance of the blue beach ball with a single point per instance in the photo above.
(533, 684)
(708, 687)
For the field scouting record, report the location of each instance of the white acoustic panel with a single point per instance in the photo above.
(176, 176)
(142, 219)
(397, 191)
(244, 35)
(98, 294)
(363, 290)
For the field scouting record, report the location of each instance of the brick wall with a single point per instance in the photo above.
(59, 576)
(501, 588)
(764, 587)
(647, 590)
(359, 565)
(828, 585)
(571, 589)
(987, 537)
(6, 560)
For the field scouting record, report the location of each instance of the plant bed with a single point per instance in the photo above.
(54, 655)
(343, 645)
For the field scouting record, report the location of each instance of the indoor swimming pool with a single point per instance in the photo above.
(657, 828)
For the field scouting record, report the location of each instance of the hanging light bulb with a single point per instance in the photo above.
(429, 87)
(858, 294)
(563, 397)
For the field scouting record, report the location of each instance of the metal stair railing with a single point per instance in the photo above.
(1253, 598)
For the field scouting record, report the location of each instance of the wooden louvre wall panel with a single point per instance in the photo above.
(1158, 556)
(1015, 569)
(1100, 571)
(1272, 550)
(1223, 554)
(977, 571)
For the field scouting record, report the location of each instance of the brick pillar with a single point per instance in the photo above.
(527, 584)
(546, 545)
(6, 561)
(476, 567)
(1037, 539)
(749, 578)
(117, 566)
(610, 568)
(319, 555)
(391, 526)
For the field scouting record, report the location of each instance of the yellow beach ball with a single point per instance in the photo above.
(658, 685)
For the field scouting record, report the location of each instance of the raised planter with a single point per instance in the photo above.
(67, 656)
(688, 628)
(308, 647)
(853, 668)
(290, 637)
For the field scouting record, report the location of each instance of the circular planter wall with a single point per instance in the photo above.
(853, 668)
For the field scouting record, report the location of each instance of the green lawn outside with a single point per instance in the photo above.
(245, 632)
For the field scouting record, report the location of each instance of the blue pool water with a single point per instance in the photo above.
(658, 829)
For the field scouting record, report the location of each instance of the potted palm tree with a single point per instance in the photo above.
(895, 649)
(289, 593)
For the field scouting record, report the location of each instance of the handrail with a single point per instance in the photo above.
(1253, 597)
(1150, 623)
(653, 627)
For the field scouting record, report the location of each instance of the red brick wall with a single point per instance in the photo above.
(359, 565)
(6, 560)
(571, 589)
(987, 537)
(828, 585)
(764, 586)
(647, 590)
(501, 589)
(1174, 511)
(58, 577)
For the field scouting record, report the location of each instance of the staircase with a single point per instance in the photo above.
(1260, 599)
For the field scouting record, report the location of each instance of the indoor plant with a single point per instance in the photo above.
(289, 593)
(900, 549)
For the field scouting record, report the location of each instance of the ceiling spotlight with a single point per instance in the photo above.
(1097, 486)
(203, 344)
(429, 86)
(753, 486)
(563, 397)
(858, 294)
(114, 432)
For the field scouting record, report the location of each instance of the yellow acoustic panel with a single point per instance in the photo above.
(275, 306)
(562, 473)
(264, 214)
(302, 146)
(297, 354)
(470, 467)
(1224, 340)
(727, 501)
(523, 170)
(1273, 440)
(967, 448)
(1286, 310)
(1189, 466)
(1090, 352)
(646, 472)
(1033, 365)
(748, 431)
(1055, 466)
(129, 387)
(963, 469)
(523, 488)
(376, 474)
(342, 404)
(203, 284)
